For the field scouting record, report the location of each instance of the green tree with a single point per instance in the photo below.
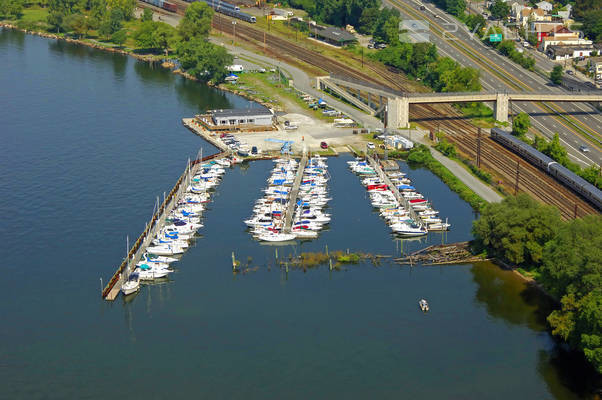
(592, 25)
(147, 14)
(499, 9)
(196, 22)
(111, 23)
(125, 6)
(76, 23)
(461, 79)
(119, 37)
(11, 8)
(572, 271)
(368, 19)
(556, 74)
(521, 124)
(475, 22)
(203, 59)
(517, 229)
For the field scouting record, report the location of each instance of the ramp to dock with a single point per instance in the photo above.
(402, 200)
(292, 202)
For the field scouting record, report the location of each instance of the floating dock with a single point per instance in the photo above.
(113, 287)
(393, 188)
(290, 210)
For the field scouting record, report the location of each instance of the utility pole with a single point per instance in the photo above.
(479, 148)
(234, 32)
(362, 57)
(517, 175)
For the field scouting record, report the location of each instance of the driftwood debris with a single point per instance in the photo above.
(454, 253)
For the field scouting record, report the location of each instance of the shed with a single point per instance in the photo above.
(335, 36)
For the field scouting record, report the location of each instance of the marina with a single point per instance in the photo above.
(173, 224)
(86, 174)
(292, 207)
(406, 211)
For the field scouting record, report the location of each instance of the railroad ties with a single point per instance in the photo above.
(180, 207)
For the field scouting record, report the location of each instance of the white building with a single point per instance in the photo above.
(544, 5)
(242, 116)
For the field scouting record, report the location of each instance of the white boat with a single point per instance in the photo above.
(276, 237)
(165, 250)
(132, 285)
(406, 229)
(149, 272)
(424, 306)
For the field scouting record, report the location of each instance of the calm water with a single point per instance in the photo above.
(89, 140)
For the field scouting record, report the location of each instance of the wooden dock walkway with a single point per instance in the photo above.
(402, 200)
(290, 210)
(113, 287)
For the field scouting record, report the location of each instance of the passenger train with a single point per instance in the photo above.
(558, 171)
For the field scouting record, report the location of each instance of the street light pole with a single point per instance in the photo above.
(234, 32)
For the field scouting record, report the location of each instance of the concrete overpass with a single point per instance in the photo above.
(398, 103)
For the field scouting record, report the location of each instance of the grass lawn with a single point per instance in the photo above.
(265, 87)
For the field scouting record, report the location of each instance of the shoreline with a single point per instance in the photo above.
(141, 57)
(149, 59)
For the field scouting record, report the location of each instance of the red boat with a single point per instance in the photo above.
(377, 187)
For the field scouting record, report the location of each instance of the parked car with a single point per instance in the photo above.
(525, 44)
(324, 145)
(254, 150)
(570, 72)
(370, 145)
(584, 149)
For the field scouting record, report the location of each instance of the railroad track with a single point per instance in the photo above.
(494, 157)
(567, 121)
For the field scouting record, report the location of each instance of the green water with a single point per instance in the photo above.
(91, 139)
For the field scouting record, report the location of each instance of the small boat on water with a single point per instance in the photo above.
(132, 285)
(424, 306)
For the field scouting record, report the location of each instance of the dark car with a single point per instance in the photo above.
(254, 150)
(324, 145)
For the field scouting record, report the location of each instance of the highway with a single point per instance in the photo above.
(498, 73)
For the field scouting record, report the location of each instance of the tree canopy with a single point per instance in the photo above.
(572, 272)
(196, 21)
(517, 229)
(521, 124)
(556, 74)
(203, 59)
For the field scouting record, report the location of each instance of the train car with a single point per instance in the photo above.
(231, 10)
(577, 183)
(156, 3)
(170, 6)
(558, 171)
(218, 4)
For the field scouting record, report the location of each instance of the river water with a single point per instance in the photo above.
(90, 139)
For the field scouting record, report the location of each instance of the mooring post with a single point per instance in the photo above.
(326, 250)
(233, 262)
(101, 286)
(330, 262)
(276, 251)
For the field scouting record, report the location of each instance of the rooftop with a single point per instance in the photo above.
(335, 34)
(569, 50)
(239, 112)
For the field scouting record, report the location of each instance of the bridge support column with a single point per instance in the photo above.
(398, 112)
(501, 107)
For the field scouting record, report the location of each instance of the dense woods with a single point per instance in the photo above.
(565, 257)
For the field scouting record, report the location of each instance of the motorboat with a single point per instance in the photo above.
(276, 237)
(424, 306)
(131, 285)
(165, 249)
